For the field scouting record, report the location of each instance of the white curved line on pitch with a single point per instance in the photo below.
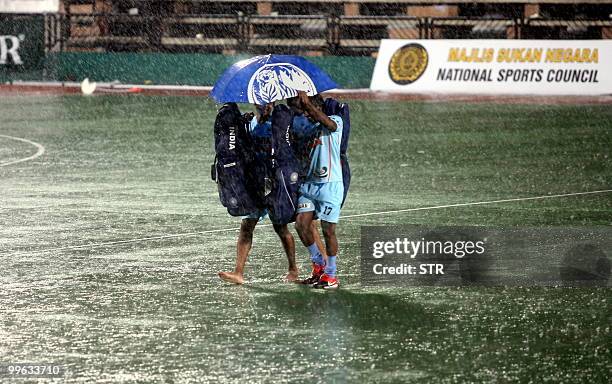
(38, 153)
(191, 234)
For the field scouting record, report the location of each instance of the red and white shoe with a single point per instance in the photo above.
(317, 272)
(327, 282)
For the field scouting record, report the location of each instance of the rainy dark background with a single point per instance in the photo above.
(111, 239)
(221, 32)
(316, 27)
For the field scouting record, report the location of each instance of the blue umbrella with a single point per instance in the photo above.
(264, 79)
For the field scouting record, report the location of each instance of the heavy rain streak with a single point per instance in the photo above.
(199, 191)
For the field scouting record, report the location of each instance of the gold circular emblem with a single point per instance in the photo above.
(408, 64)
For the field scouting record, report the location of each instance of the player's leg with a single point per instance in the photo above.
(305, 215)
(288, 242)
(303, 225)
(329, 234)
(327, 209)
(329, 279)
(330, 198)
(308, 233)
(310, 236)
(317, 238)
(243, 247)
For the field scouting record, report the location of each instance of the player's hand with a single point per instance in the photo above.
(303, 97)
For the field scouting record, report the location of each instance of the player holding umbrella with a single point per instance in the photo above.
(263, 80)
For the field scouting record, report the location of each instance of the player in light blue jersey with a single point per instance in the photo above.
(260, 131)
(322, 191)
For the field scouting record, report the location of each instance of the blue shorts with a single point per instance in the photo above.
(322, 198)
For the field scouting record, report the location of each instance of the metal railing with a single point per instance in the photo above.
(344, 35)
(469, 28)
(287, 33)
(363, 33)
(52, 32)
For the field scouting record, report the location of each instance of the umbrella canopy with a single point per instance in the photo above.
(264, 79)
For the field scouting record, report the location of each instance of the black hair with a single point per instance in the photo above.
(293, 102)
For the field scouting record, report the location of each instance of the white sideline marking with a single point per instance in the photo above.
(191, 234)
(108, 243)
(477, 203)
(38, 153)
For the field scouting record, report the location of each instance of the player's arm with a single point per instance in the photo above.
(316, 113)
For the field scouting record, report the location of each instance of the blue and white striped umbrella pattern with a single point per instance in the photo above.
(264, 79)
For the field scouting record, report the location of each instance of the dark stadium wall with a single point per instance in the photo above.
(183, 69)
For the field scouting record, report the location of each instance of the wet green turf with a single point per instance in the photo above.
(152, 310)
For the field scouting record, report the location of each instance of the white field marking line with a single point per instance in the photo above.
(191, 234)
(478, 203)
(142, 239)
(38, 153)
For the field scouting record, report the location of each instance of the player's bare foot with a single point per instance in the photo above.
(292, 277)
(231, 277)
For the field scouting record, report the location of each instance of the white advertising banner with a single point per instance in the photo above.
(539, 67)
(29, 6)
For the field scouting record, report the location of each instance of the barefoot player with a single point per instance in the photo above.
(260, 131)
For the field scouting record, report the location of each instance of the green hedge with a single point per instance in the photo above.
(184, 69)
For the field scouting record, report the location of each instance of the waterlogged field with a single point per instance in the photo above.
(111, 240)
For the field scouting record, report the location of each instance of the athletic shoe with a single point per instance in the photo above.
(327, 282)
(317, 272)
